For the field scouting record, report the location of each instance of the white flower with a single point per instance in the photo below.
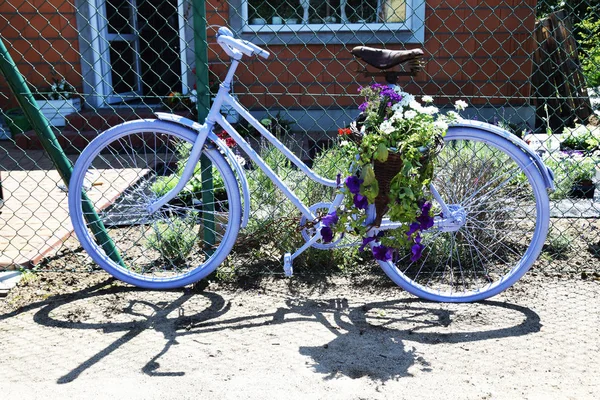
(344, 143)
(427, 99)
(440, 124)
(415, 105)
(194, 96)
(241, 160)
(453, 116)
(397, 89)
(410, 114)
(460, 105)
(397, 107)
(387, 127)
(396, 115)
(407, 98)
(430, 110)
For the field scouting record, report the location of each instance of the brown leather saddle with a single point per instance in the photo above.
(384, 60)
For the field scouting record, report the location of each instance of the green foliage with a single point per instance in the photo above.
(174, 238)
(584, 138)
(588, 35)
(193, 188)
(395, 123)
(589, 40)
(558, 244)
(570, 170)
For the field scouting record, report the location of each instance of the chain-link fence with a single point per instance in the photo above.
(529, 67)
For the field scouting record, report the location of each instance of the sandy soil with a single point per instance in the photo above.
(84, 335)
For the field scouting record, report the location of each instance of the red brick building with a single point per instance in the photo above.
(116, 51)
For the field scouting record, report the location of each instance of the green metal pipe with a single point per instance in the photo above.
(44, 132)
(203, 105)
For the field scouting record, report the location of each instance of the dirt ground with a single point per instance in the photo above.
(76, 335)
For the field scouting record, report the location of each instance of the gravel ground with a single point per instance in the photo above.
(75, 335)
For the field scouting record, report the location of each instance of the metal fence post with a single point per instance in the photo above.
(203, 105)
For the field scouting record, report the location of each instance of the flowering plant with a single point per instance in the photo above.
(396, 140)
(179, 101)
(59, 89)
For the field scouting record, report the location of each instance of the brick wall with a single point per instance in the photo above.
(476, 49)
(41, 35)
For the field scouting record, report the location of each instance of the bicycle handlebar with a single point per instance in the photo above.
(232, 45)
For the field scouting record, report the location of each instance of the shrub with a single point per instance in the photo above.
(174, 239)
(558, 244)
(584, 138)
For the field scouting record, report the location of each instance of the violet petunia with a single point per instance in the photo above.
(425, 221)
(361, 202)
(330, 219)
(326, 234)
(365, 242)
(418, 238)
(353, 184)
(417, 252)
(415, 226)
(382, 253)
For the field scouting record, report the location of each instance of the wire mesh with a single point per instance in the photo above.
(528, 67)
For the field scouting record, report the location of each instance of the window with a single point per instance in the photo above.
(337, 21)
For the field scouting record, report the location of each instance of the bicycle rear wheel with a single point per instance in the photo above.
(126, 169)
(504, 202)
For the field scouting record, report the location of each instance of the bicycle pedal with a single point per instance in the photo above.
(288, 268)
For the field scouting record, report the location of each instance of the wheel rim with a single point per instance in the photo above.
(169, 247)
(502, 233)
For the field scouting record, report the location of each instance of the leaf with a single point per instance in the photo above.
(368, 175)
(381, 154)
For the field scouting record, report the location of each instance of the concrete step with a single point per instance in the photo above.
(71, 141)
(101, 120)
(82, 127)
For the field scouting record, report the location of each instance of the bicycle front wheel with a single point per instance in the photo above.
(125, 170)
(501, 197)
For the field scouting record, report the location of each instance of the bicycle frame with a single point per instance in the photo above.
(448, 222)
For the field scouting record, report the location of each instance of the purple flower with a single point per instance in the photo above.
(326, 234)
(415, 226)
(353, 184)
(365, 242)
(426, 207)
(330, 219)
(417, 252)
(425, 220)
(418, 238)
(361, 202)
(363, 107)
(382, 253)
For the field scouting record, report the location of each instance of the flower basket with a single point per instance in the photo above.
(384, 173)
(395, 140)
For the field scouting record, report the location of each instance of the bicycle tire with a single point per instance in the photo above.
(128, 167)
(490, 252)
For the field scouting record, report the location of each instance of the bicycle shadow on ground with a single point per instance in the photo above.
(139, 316)
(371, 339)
